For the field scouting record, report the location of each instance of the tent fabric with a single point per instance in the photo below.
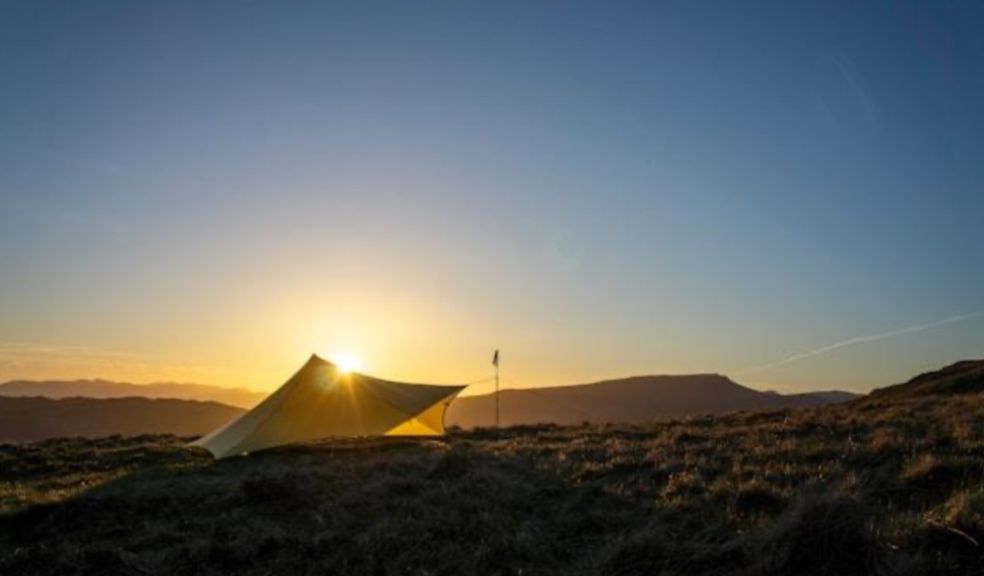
(321, 401)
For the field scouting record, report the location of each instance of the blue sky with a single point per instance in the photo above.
(212, 191)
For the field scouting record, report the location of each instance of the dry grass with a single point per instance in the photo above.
(891, 487)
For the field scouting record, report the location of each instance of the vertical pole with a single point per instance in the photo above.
(496, 394)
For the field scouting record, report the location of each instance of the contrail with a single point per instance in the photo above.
(864, 339)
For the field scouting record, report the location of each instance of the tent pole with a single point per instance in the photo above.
(496, 394)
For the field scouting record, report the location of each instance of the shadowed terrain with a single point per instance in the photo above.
(873, 487)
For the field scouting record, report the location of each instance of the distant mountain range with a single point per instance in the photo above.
(966, 377)
(634, 399)
(29, 419)
(240, 397)
(100, 407)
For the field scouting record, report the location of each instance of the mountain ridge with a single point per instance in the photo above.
(962, 377)
(101, 388)
(629, 399)
(632, 399)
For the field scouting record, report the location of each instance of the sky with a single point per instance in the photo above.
(787, 193)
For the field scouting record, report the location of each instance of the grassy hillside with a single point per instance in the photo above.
(862, 488)
(28, 419)
(959, 378)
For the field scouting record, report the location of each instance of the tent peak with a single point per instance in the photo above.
(315, 359)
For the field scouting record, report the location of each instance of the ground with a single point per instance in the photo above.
(893, 487)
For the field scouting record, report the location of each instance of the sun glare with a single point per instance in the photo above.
(347, 361)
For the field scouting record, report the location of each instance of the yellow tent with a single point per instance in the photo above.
(321, 401)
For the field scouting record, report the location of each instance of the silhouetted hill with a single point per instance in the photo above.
(32, 418)
(821, 398)
(634, 399)
(107, 389)
(964, 377)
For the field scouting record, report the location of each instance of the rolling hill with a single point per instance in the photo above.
(32, 418)
(634, 399)
(240, 397)
(962, 377)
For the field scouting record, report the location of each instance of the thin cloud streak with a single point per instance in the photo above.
(863, 340)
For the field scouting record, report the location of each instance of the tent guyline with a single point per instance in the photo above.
(321, 401)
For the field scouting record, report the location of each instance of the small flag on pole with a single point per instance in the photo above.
(495, 359)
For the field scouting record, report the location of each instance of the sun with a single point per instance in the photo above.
(347, 361)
